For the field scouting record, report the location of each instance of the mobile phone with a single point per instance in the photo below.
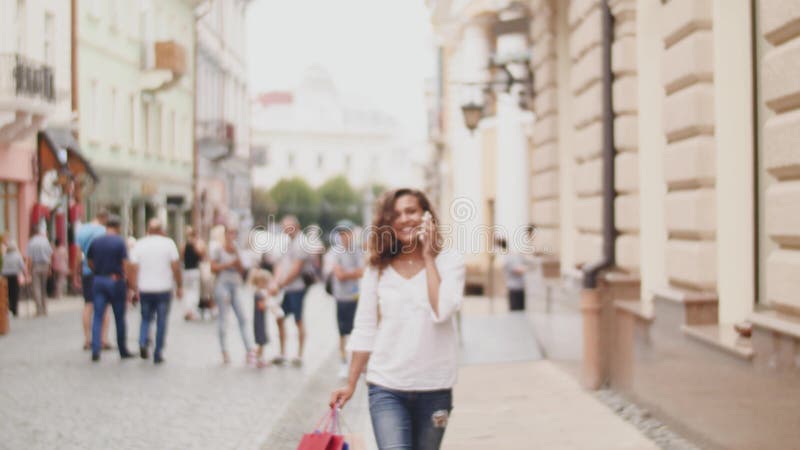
(426, 219)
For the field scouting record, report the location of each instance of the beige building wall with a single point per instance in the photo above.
(689, 158)
(733, 99)
(544, 149)
(780, 84)
(566, 142)
(624, 62)
(585, 83)
(651, 143)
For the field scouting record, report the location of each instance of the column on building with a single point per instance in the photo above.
(466, 211)
(545, 175)
(512, 170)
(587, 120)
(781, 156)
(689, 157)
(626, 139)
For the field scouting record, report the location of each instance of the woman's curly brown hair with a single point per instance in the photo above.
(382, 243)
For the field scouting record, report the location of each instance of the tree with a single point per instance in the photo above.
(262, 205)
(338, 201)
(295, 196)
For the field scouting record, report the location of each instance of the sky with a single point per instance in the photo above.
(379, 51)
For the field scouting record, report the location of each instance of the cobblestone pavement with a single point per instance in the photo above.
(54, 397)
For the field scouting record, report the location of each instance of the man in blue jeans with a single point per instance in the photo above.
(288, 274)
(108, 257)
(155, 265)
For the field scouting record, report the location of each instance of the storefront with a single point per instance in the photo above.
(137, 199)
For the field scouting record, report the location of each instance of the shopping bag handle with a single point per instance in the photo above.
(329, 422)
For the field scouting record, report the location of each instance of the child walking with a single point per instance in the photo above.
(263, 300)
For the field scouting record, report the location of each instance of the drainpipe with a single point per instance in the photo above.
(595, 341)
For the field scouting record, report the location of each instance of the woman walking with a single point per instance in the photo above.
(404, 325)
(13, 267)
(192, 255)
(226, 264)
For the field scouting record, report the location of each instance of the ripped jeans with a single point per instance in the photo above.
(409, 420)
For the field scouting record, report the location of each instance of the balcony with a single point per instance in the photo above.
(215, 139)
(165, 65)
(27, 89)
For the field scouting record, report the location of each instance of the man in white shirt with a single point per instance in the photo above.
(156, 267)
(288, 274)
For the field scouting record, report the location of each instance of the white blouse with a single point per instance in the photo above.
(413, 349)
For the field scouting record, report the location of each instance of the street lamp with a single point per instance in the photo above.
(473, 113)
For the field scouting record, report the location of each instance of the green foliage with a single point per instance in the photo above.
(333, 201)
(295, 196)
(338, 200)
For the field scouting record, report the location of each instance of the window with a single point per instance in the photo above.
(49, 40)
(145, 133)
(171, 129)
(113, 129)
(21, 30)
(319, 161)
(132, 141)
(113, 14)
(94, 8)
(94, 109)
(348, 159)
(291, 160)
(158, 128)
(8, 210)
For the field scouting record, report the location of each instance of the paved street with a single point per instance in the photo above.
(54, 397)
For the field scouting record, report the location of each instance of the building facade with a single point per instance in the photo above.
(222, 113)
(315, 134)
(136, 94)
(663, 148)
(35, 74)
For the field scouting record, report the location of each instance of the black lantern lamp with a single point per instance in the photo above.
(473, 113)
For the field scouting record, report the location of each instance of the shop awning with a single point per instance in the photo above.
(52, 142)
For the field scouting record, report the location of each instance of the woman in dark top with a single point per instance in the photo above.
(192, 254)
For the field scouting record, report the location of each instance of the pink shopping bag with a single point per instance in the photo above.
(324, 436)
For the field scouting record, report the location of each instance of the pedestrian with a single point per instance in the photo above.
(14, 272)
(83, 277)
(39, 253)
(348, 267)
(514, 270)
(263, 301)
(155, 265)
(108, 259)
(192, 255)
(289, 279)
(410, 340)
(226, 264)
(60, 264)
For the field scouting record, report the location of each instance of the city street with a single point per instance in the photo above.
(54, 397)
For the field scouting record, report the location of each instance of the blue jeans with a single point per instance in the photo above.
(293, 304)
(105, 290)
(154, 303)
(409, 420)
(225, 293)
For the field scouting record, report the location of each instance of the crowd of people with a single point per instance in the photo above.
(115, 274)
(396, 301)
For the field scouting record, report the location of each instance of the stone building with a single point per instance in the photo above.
(662, 149)
(136, 92)
(222, 112)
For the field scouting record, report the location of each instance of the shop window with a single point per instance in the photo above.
(8, 210)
